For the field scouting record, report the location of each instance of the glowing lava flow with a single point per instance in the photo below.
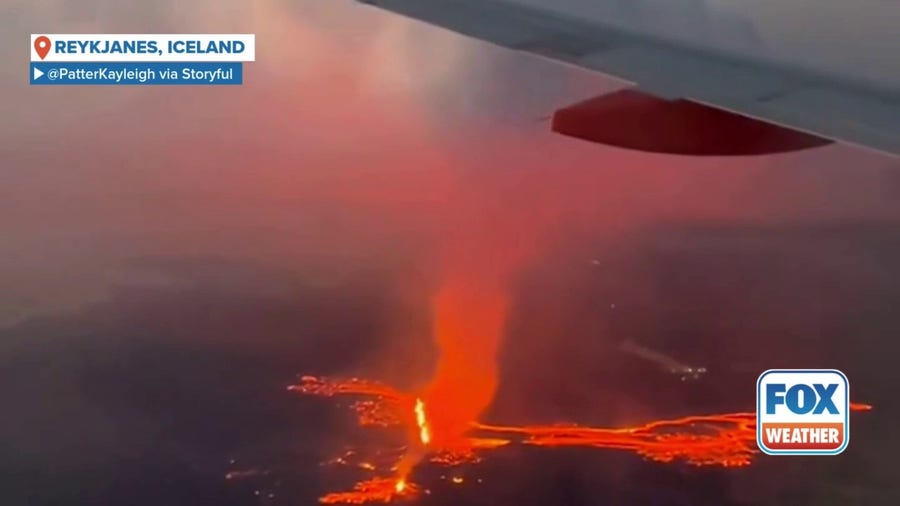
(375, 490)
(715, 440)
(727, 440)
(422, 423)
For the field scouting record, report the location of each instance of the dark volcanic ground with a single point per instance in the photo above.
(147, 398)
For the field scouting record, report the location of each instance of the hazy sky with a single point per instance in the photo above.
(343, 99)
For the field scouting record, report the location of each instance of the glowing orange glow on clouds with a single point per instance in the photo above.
(468, 324)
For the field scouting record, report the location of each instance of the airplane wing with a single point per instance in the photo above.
(685, 99)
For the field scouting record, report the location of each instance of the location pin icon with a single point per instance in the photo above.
(42, 46)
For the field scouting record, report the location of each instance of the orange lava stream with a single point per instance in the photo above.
(325, 387)
(727, 440)
(382, 408)
(374, 490)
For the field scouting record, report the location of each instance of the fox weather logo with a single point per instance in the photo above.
(802, 412)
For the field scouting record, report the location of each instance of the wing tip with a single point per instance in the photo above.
(633, 120)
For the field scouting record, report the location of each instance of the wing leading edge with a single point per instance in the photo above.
(818, 106)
